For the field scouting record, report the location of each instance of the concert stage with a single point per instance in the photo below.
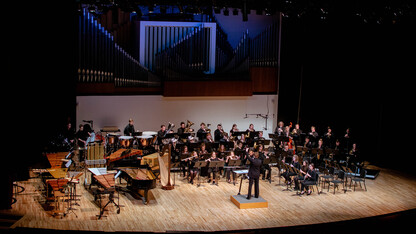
(208, 208)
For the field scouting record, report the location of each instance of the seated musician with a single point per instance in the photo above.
(265, 167)
(260, 137)
(309, 179)
(193, 171)
(209, 138)
(228, 172)
(203, 149)
(303, 170)
(233, 129)
(321, 151)
(287, 175)
(240, 151)
(213, 170)
(288, 154)
(175, 151)
(250, 129)
(129, 129)
(184, 153)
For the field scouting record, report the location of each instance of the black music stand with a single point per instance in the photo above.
(176, 167)
(234, 164)
(216, 165)
(267, 161)
(199, 165)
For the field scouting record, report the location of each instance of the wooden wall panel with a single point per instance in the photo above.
(207, 88)
(264, 79)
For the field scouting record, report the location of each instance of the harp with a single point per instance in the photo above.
(164, 165)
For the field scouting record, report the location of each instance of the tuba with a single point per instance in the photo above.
(188, 126)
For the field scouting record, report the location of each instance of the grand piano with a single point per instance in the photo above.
(138, 179)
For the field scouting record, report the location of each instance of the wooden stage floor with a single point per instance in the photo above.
(208, 208)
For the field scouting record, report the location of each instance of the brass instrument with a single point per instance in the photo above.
(207, 129)
(188, 126)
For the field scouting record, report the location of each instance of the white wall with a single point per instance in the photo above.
(149, 112)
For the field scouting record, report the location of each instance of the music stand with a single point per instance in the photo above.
(216, 165)
(199, 165)
(234, 164)
(176, 167)
(267, 161)
(242, 173)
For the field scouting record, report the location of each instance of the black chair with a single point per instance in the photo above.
(360, 178)
(339, 180)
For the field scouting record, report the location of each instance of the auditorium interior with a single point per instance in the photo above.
(145, 116)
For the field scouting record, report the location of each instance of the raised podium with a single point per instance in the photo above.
(241, 201)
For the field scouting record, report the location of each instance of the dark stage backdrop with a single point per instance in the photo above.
(353, 75)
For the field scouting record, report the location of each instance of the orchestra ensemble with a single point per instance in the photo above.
(290, 145)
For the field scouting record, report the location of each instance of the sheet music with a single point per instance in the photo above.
(241, 171)
(98, 170)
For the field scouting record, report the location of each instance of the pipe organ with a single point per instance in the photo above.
(102, 60)
(170, 51)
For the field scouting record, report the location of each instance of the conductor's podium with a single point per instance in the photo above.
(242, 203)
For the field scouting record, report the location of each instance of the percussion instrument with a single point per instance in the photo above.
(126, 141)
(149, 133)
(112, 138)
(144, 140)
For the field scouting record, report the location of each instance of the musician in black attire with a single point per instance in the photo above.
(309, 179)
(161, 134)
(264, 167)
(181, 130)
(254, 173)
(280, 128)
(313, 136)
(129, 129)
(81, 137)
(69, 134)
(201, 132)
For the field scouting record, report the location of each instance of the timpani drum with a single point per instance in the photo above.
(126, 141)
(144, 141)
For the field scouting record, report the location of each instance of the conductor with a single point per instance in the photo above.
(253, 173)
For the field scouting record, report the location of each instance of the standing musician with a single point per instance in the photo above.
(213, 170)
(254, 173)
(200, 134)
(181, 130)
(296, 133)
(129, 129)
(161, 134)
(309, 179)
(329, 138)
(313, 135)
(280, 128)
